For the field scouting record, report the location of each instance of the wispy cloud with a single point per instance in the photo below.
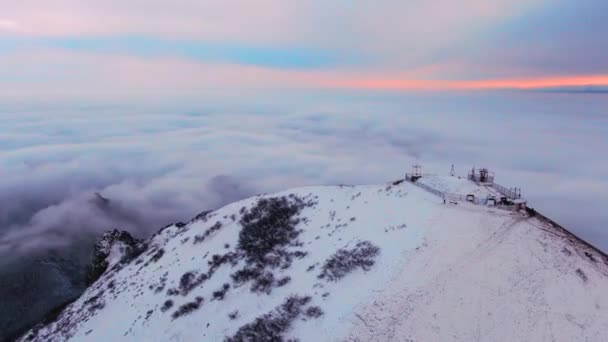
(79, 75)
(293, 57)
(422, 84)
(382, 45)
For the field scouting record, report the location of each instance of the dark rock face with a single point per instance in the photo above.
(35, 288)
(129, 248)
(35, 285)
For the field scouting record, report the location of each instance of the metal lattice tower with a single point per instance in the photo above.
(452, 171)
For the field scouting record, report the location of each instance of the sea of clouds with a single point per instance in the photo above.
(161, 163)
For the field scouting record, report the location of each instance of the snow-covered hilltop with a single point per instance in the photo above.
(363, 263)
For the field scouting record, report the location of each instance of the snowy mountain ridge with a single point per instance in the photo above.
(347, 263)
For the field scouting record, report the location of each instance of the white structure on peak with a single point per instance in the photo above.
(482, 176)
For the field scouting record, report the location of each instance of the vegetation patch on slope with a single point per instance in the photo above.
(269, 229)
(191, 280)
(345, 261)
(188, 308)
(273, 325)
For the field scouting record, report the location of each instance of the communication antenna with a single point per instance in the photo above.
(452, 171)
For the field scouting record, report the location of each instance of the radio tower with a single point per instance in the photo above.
(452, 171)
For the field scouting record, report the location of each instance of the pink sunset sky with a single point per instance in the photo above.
(77, 49)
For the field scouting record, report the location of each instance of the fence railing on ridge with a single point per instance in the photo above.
(452, 197)
(507, 192)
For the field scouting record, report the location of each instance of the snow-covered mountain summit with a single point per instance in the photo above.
(348, 263)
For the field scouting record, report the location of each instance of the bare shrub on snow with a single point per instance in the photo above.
(200, 238)
(314, 312)
(581, 274)
(271, 223)
(188, 308)
(167, 305)
(221, 293)
(269, 228)
(273, 325)
(233, 315)
(345, 261)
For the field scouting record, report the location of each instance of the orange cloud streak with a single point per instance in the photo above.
(516, 83)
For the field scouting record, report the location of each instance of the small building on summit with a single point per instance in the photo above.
(519, 203)
(482, 176)
(478, 188)
(415, 175)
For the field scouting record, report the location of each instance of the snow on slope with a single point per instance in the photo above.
(443, 272)
(456, 185)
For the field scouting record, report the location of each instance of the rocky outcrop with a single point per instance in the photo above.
(113, 248)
